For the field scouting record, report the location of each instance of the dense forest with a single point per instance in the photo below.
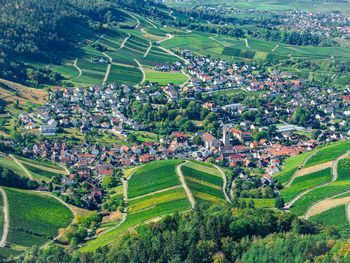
(37, 30)
(217, 234)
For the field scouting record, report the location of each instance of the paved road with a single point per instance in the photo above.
(224, 184)
(184, 185)
(109, 65)
(148, 50)
(6, 223)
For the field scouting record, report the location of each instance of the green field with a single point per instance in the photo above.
(153, 177)
(8, 163)
(38, 173)
(332, 217)
(305, 182)
(42, 163)
(205, 186)
(291, 166)
(341, 185)
(164, 78)
(260, 202)
(34, 217)
(329, 153)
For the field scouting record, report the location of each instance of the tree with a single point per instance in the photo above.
(279, 203)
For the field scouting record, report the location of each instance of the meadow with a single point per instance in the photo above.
(153, 177)
(333, 217)
(305, 182)
(291, 166)
(342, 184)
(34, 217)
(329, 153)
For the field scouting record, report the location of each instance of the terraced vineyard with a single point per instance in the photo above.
(204, 182)
(333, 217)
(34, 218)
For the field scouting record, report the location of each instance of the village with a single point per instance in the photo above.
(263, 118)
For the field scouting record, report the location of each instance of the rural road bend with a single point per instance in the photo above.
(148, 50)
(124, 42)
(184, 185)
(76, 66)
(21, 166)
(141, 69)
(246, 43)
(6, 223)
(224, 179)
(334, 178)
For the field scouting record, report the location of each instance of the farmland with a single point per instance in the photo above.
(339, 186)
(34, 218)
(205, 186)
(328, 153)
(8, 163)
(305, 182)
(260, 202)
(333, 217)
(153, 177)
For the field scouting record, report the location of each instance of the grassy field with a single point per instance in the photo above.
(164, 78)
(153, 177)
(43, 164)
(205, 186)
(260, 202)
(305, 182)
(8, 163)
(333, 217)
(329, 153)
(34, 218)
(342, 184)
(290, 167)
(39, 173)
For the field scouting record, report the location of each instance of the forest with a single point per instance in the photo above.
(217, 234)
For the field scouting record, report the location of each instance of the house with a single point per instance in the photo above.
(48, 129)
(210, 141)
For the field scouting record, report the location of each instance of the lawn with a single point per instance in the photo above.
(305, 182)
(342, 184)
(153, 177)
(329, 153)
(34, 217)
(290, 167)
(333, 217)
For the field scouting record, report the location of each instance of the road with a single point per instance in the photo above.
(246, 43)
(296, 172)
(76, 66)
(148, 50)
(277, 46)
(109, 65)
(184, 185)
(141, 69)
(21, 166)
(6, 223)
(124, 42)
(334, 178)
(224, 179)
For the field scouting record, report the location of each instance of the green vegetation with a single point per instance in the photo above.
(8, 163)
(342, 184)
(260, 202)
(329, 153)
(39, 174)
(333, 217)
(153, 177)
(205, 187)
(34, 217)
(291, 166)
(305, 182)
(164, 78)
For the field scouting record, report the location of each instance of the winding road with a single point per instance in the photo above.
(148, 50)
(141, 69)
(109, 65)
(6, 221)
(184, 185)
(124, 42)
(76, 66)
(224, 179)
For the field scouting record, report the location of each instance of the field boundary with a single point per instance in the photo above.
(6, 223)
(184, 184)
(22, 166)
(224, 179)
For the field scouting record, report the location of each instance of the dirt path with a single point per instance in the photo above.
(6, 223)
(148, 50)
(124, 42)
(184, 185)
(326, 204)
(141, 69)
(334, 178)
(171, 15)
(136, 19)
(295, 174)
(76, 66)
(246, 43)
(167, 37)
(224, 179)
(21, 166)
(277, 46)
(155, 192)
(109, 65)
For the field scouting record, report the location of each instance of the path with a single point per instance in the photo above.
(124, 42)
(184, 185)
(137, 20)
(155, 192)
(224, 184)
(277, 46)
(148, 50)
(171, 15)
(45, 168)
(21, 166)
(167, 37)
(109, 65)
(76, 66)
(6, 223)
(295, 174)
(246, 43)
(173, 54)
(187, 76)
(334, 178)
(220, 42)
(143, 72)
